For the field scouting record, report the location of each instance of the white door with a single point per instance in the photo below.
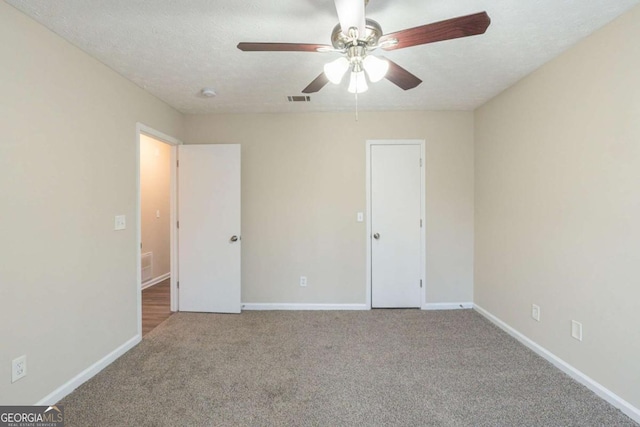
(209, 228)
(396, 205)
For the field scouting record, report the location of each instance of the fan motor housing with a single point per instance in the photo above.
(373, 32)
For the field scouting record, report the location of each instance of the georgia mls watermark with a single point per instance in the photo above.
(31, 416)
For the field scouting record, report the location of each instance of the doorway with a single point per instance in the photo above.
(155, 205)
(155, 220)
(395, 223)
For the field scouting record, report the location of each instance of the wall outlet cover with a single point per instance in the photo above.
(18, 368)
(535, 312)
(303, 280)
(120, 222)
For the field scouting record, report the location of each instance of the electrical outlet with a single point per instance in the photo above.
(576, 330)
(303, 280)
(18, 368)
(535, 312)
(120, 223)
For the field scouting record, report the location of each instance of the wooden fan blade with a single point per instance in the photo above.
(281, 47)
(401, 77)
(317, 84)
(454, 28)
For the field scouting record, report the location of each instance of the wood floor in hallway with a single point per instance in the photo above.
(156, 306)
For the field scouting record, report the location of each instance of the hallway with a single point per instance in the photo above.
(155, 305)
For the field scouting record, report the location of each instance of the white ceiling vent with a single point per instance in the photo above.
(299, 98)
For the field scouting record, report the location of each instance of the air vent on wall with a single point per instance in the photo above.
(299, 98)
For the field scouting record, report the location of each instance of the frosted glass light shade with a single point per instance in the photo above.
(375, 67)
(334, 70)
(358, 83)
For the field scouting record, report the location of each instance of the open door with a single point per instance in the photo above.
(209, 228)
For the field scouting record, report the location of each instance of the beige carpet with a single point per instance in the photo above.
(335, 368)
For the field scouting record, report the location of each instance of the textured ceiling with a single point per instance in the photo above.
(174, 48)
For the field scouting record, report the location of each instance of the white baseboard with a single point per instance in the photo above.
(606, 394)
(66, 388)
(286, 306)
(295, 306)
(447, 305)
(155, 281)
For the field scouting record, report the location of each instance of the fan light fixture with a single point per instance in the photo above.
(358, 82)
(356, 59)
(335, 70)
(375, 68)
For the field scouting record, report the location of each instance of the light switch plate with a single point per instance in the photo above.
(121, 222)
(576, 330)
(360, 217)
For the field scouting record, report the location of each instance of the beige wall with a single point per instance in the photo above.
(558, 205)
(303, 181)
(556, 188)
(155, 188)
(68, 165)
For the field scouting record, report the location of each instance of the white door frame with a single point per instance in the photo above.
(173, 241)
(423, 229)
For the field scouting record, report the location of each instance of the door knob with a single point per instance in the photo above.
(234, 238)
(376, 236)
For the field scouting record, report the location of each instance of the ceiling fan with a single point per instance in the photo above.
(356, 38)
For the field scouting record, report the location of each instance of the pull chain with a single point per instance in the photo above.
(356, 94)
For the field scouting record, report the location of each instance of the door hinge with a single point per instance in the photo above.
(140, 245)
(178, 285)
(420, 223)
(177, 163)
(420, 162)
(420, 282)
(178, 224)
